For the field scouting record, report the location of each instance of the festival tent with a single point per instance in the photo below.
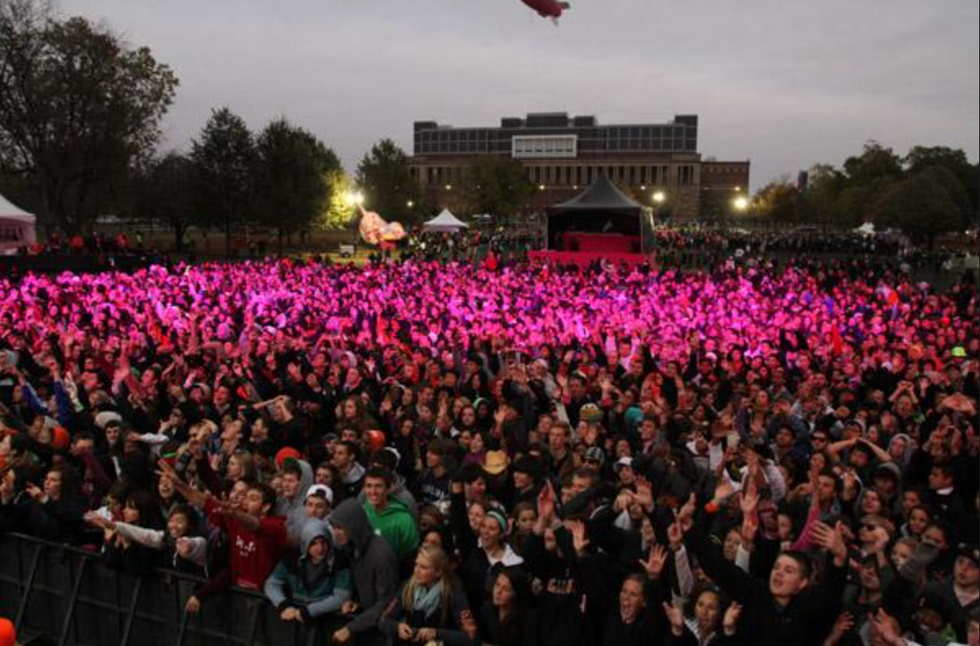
(866, 229)
(17, 227)
(601, 210)
(445, 222)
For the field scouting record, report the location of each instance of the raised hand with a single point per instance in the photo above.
(881, 539)
(98, 520)
(546, 503)
(831, 538)
(685, 517)
(675, 615)
(749, 500)
(723, 490)
(35, 492)
(884, 626)
(579, 536)
(655, 561)
(730, 622)
(644, 494)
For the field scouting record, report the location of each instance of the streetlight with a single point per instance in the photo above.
(354, 198)
(741, 203)
(410, 204)
(659, 197)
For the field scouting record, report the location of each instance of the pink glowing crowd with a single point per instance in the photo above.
(512, 453)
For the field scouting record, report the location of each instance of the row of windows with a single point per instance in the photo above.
(563, 146)
(604, 145)
(611, 138)
(631, 175)
(621, 132)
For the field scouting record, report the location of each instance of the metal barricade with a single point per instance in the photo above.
(67, 596)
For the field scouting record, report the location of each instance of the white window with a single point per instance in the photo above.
(538, 146)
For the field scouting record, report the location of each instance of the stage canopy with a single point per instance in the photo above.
(17, 227)
(866, 229)
(600, 209)
(445, 222)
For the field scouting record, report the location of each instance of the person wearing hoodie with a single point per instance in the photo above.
(344, 458)
(297, 476)
(313, 581)
(374, 569)
(388, 516)
(389, 458)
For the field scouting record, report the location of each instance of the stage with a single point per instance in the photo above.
(577, 241)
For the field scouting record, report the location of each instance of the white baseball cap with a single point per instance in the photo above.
(320, 490)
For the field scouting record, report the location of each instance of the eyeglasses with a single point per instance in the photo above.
(819, 438)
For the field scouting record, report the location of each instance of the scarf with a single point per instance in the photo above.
(427, 600)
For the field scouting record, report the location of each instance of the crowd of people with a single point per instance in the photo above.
(471, 245)
(513, 453)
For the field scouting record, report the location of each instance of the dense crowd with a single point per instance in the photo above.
(513, 453)
(470, 245)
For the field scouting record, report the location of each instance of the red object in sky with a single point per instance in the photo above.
(548, 8)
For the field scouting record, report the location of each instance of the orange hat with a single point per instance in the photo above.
(376, 440)
(8, 636)
(287, 453)
(60, 439)
(495, 462)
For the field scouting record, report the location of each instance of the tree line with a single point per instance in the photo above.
(930, 191)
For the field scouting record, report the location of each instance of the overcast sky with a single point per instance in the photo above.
(784, 83)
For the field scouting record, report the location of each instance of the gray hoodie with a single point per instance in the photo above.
(315, 589)
(294, 509)
(375, 569)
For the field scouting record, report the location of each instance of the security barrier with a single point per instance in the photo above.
(65, 595)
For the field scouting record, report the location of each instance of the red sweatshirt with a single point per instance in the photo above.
(252, 555)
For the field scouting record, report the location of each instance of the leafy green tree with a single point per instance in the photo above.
(224, 160)
(823, 193)
(922, 206)
(776, 201)
(920, 158)
(495, 185)
(165, 192)
(384, 177)
(875, 162)
(291, 188)
(77, 108)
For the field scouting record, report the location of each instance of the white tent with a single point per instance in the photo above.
(866, 229)
(17, 227)
(445, 222)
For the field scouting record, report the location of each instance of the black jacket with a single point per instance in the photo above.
(805, 620)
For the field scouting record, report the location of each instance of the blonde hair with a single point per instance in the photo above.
(440, 562)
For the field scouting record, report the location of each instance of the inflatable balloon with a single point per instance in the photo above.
(375, 440)
(374, 230)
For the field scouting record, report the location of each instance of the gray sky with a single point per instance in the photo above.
(784, 83)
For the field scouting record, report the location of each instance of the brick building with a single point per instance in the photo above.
(562, 155)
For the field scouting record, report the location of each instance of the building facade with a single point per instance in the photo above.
(657, 164)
